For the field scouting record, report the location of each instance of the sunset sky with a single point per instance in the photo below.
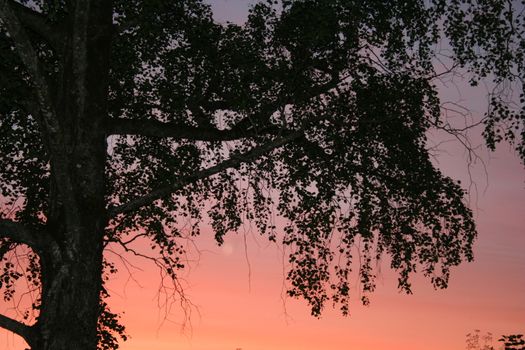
(237, 296)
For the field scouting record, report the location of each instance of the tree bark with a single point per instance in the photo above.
(71, 284)
(71, 273)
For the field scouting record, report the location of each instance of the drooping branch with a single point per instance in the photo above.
(17, 327)
(233, 162)
(36, 22)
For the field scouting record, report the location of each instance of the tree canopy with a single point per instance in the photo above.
(147, 118)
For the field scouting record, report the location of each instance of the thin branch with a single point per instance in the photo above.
(446, 71)
(232, 162)
(169, 293)
(16, 327)
(133, 238)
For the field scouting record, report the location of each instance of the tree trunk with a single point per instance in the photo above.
(71, 283)
(71, 274)
(73, 104)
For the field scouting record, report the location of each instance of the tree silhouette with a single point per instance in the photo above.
(317, 113)
(513, 342)
(476, 341)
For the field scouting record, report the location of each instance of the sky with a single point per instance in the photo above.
(238, 302)
(237, 296)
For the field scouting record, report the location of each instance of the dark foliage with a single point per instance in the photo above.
(317, 113)
(513, 342)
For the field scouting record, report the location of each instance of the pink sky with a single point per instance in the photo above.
(488, 294)
(234, 311)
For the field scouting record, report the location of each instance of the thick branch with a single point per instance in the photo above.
(154, 128)
(48, 121)
(232, 162)
(22, 234)
(257, 123)
(16, 327)
(36, 22)
(248, 127)
(29, 57)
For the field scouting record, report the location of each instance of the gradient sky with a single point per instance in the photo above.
(236, 290)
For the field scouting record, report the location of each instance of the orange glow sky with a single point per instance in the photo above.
(237, 291)
(231, 312)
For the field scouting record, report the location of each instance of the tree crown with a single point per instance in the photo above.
(314, 111)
